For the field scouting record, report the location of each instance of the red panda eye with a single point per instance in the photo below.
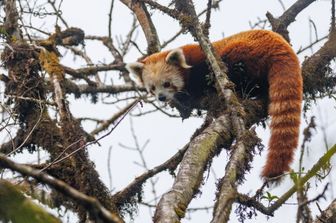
(166, 84)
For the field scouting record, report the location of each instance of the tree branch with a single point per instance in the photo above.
(317, 78)
(132, 188)
(146, 23)
(324, 160)
(78, 89)
(280, 24)
(115, 117)
(91, 204)
(328, 215)
(173, 204)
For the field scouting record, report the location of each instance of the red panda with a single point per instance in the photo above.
(260, 63)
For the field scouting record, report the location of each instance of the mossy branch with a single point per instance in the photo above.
(202, 148)
(16, 207)
(328, 215)
(91, 204)
(320, 164)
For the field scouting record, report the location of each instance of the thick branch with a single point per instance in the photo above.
(328, 215)
(243, 199)
(15, 206)
(280, 24)
(224, 89)
(202, 148)
(78, 89)
(317, 78)
(74, 139)
(91, 204)
(146, 23)
(92, 70)
(11, 20)
(234, 170)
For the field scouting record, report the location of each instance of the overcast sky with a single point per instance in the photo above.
(167, 135)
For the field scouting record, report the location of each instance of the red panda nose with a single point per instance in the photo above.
(162, 97)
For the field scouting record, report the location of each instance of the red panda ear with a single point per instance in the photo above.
(177, 57)
(136, 69)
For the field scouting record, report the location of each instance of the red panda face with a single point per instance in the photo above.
(163, 77)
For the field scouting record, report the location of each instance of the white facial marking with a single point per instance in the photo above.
(163, 80)
(163, 76)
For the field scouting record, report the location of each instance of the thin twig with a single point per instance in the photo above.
(110, 19)
(57, 12)
(115, 117)
(30, 132)
(109, 171)
(95, 141)
(170, 164)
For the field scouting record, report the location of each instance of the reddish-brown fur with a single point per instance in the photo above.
(266, 55)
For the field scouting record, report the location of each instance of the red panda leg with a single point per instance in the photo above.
(285, 96)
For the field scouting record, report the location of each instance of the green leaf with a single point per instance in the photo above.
(269, 197)
(293, 176)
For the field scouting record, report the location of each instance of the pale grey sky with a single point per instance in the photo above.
(167, 135)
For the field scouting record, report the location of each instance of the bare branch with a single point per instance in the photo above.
(115, 117)
(108, 42)
(280, 24)
(302, 49)
(146, 23)
(57, 12)
(131, 189)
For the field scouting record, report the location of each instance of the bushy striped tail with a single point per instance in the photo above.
(285, 98)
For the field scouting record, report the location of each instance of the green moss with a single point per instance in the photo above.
(17, 208)
(180, 210)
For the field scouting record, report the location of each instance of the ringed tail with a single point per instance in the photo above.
(285, 98)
